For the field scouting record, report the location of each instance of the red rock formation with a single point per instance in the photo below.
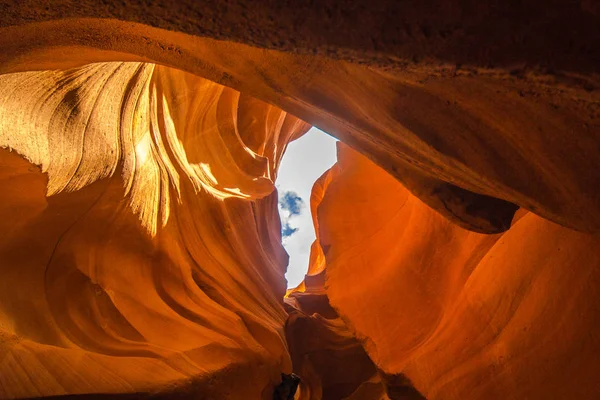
(497, 132)
(131, 261)
(461, 314)
(140, 250)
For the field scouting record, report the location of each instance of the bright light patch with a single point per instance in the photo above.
(142, 149)
(305, 160)
(208, 173)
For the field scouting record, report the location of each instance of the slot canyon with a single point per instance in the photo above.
(457, 251)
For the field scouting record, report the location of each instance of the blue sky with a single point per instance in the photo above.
(290, 206)
(304, 162)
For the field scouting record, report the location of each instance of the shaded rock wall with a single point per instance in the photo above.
(560, 35)
(330, 361)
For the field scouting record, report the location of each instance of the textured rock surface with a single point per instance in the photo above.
(132, 260)
(517, 133)
(461, 314)
(140, 248)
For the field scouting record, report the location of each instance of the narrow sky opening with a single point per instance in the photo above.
(305, 160)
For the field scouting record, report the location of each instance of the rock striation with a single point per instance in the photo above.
(456, 253)
(128, 221)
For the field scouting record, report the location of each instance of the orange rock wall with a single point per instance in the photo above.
(461, 314)
(134, 259)
(472, 141)
(140, 248)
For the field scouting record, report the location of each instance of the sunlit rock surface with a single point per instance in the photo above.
(140, 246)
(132, 259)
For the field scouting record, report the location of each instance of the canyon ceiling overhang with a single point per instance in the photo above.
(140, 143)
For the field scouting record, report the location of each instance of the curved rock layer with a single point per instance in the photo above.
(133, 261)
(471, 141)
(462, 315)
(160, 126)
(140, 247)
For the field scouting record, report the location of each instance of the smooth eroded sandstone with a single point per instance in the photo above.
(133, 259)
(140, 246)
(461, 314)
